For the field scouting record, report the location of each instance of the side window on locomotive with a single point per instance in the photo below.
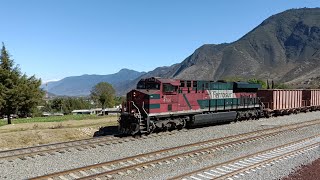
(141, 85)
(182, 84)
(188, 83)
(195, 86)
(206, 85)
(169, 88)
(188, 86)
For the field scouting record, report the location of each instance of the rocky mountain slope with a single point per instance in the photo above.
(284, 47)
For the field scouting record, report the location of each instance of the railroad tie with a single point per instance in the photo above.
(106, 168)
(121, 173)
(74, 176)
(211, 174)
(95, 171)
(83, 173)
(63, 178)
(129, 171)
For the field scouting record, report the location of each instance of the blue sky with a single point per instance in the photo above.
(53, 39)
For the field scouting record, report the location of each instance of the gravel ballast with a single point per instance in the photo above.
(40, 165)
(192, 164)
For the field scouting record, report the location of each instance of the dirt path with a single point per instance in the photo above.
(32, 134)
(308, 172)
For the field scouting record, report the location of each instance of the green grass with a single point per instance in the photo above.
(52, 119)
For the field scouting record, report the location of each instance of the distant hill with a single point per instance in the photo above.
(82, 85)
(285, 47)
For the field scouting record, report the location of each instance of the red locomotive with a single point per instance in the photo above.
(161, 104)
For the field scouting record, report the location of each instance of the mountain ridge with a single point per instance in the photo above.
(82, 85)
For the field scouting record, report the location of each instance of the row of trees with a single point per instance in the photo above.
(66, 105)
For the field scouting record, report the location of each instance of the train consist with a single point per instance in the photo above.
(162, 104)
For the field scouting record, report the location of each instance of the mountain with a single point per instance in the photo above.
(82, 85)
(284, 47)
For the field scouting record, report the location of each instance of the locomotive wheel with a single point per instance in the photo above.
(267, 114)
(134, 128)
(183, 125)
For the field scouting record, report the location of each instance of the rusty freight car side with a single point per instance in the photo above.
(281, 101)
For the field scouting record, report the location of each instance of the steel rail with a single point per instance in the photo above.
(250, 156)
(39, 150)
(66, 146)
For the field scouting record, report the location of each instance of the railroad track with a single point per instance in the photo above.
(170, 155)
(64, 147)
(236, 168)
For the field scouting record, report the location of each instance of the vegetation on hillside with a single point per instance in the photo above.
(265, 84)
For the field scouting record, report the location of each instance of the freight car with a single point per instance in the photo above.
(311, 99)
(277, 102)
(162, 104)
(281, 101)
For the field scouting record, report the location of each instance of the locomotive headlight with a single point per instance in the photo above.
(134, 94)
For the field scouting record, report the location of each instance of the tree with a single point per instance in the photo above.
(19, 94)
(282, 86)
(103, 93)
(29, 94)
(72, 103)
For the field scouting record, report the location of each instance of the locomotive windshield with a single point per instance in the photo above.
(152, 86)
(148, 85)
(169, 88)
(141, 85)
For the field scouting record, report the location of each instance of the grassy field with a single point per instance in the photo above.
(44, 130)
(51, 119)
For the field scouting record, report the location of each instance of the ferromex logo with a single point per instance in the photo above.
(221, 94)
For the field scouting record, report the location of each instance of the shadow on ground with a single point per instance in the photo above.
(107, 131)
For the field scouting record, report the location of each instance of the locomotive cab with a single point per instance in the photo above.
(134, 118)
